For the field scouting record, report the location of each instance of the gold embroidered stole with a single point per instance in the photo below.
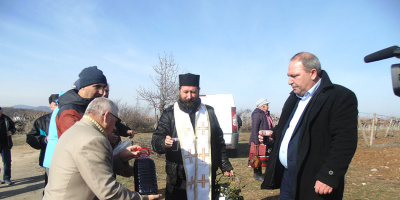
(196, 152)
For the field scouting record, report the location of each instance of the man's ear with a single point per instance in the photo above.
(314, 74)
(105, 117)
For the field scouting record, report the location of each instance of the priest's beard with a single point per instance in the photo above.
(189, 103)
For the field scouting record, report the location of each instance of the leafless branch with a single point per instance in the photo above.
(165, 81)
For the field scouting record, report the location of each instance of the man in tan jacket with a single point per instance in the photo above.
(82, 163)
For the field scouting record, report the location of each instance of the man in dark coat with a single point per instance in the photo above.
(189, 105)
(7, 129)
(316, 137)
(37, 138)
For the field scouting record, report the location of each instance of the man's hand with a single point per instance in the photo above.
(129, 153)
(130, 133)
(9, 133)
(168, 142)
(322, 188)
(228, 174)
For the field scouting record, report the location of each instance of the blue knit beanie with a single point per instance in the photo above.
(91, 75)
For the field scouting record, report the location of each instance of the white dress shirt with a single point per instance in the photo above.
(293, 123)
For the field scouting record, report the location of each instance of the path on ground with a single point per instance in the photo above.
(26, 174)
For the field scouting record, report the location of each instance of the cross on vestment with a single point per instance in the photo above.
(191, 183)
(190, 156)
(203, 155)
(203, 128)
(186, 130)
(203, 181)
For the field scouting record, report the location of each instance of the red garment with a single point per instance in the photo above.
(66, 120)
(72, 107)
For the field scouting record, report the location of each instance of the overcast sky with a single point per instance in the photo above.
(238, 47)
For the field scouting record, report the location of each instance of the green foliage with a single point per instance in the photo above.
(230, 189)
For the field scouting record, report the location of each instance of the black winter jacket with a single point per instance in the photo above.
(36, 138)
(4, 139)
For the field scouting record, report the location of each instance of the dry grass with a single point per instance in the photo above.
(373, 174)
(19, 140)
(361, 182)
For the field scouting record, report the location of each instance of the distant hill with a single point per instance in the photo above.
(40, 108)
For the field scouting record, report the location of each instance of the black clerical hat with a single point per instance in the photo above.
(189, 80)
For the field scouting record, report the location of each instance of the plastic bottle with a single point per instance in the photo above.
(145, 173)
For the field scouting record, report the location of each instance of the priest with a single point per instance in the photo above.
(189, 134)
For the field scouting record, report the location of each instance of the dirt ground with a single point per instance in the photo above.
(27, 176)
(374, 172)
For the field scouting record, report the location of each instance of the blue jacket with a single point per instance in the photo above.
(53, 139)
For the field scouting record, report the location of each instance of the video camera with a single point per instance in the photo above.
(393, 51)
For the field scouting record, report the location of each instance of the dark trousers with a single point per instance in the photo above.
(286, 187)
(172, 192)
(6, 154)
(46, 179)
(178, 191)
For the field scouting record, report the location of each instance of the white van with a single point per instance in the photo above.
(225, 110)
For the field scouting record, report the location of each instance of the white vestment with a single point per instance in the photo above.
(196, 152)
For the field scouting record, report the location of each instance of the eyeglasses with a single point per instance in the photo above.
(118, 119)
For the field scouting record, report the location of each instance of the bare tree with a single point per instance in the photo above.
(245, 115)
(165, 81)
(136, 117)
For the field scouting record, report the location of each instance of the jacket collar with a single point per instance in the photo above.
(90, 121)
(262, 111)
(72, 97)
(324, 85)
(318, 96)
(325, 82)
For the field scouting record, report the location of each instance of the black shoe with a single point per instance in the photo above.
(2, 182)
(258, 177)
